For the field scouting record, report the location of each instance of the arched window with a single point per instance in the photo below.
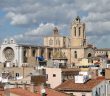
(75, 54)
(74, 31)
(89, 55)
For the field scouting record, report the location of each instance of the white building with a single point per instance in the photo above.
(13, 54)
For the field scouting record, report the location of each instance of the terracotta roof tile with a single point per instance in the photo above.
(51, 92)
(22, 92)
(1, 93)
(87, 86)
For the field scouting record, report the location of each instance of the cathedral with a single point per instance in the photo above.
(73, 48)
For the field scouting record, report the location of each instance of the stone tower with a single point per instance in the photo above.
(78, 37)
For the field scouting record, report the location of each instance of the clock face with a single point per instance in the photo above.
(9, 54)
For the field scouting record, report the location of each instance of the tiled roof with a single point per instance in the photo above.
(1, 93)
(22, 92)
(70, 85)
(49, 92)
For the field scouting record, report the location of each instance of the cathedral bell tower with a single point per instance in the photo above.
(78, 37)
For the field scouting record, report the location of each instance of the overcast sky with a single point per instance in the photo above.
(21, 18)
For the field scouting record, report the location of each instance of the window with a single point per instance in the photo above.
(79, 31)
(50, 42)
(17, 74)
(83, 33)
(71, 94)
(54, 75)
(49, 54)
(74, 31)
(33, 52)
(83, 94)
(24, 53)
(96, 93)
(46, 76)
(75, 54)
(89, 55)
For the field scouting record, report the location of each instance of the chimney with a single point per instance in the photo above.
(32, 87)
(7, 90)
(24, 86)
(16, 85)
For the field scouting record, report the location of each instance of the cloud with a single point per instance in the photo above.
(36, 36)
(38, 12)
(42, 29)
(46, 14)
(38, 33)
(17, 19)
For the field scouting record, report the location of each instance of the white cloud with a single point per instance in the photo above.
(41, 30)
(35, 34)
(17, 19)
(20, 36)
(10, 15)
